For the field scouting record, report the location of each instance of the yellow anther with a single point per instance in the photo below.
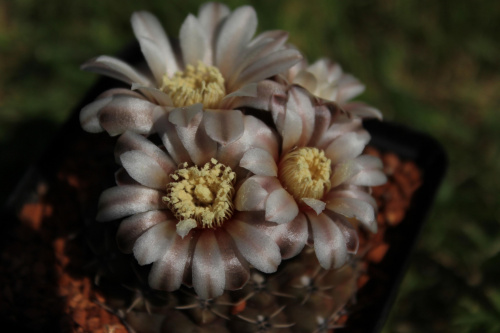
(204, 195)
(305, 173)
(201, 84)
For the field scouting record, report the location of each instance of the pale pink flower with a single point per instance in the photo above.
(177, 200)
(320, 182)
(216, 64)
(326, 80)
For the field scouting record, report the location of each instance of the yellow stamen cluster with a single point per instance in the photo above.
(201, 84)
(203, 195)
(305, 173)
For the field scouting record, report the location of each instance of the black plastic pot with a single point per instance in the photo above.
(378, 295)
(374, 299)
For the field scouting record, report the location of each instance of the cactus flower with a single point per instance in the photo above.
(217, 63)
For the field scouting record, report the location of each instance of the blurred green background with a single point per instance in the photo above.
(433, 65)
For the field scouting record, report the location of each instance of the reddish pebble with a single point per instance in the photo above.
(73, 181)
(362, 280)
(32, 214)
(393, 193)
(239, 307)
(372, 151)
(80, 316)
(380, 219)
(94, 324)
(394, 214)
(48, 210)
(391, 163)
(377, 254)
(411, 171)
(404, 184)
(342, 320)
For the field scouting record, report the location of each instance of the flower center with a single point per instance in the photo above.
(305, 173)
(201, 84)
(201, 197)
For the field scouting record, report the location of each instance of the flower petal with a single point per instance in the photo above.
(134, 226)
(271, 96)
(349, 87)
(329, 242)
(249, 90)
(362, 110)
(335, 71)
(355, 208)
(342, 172)
(306, 80)
(317, 205)
(348, 146)
(290, 129)
(224, 127)
(370, 171)
(210, 15)
(352, 191)
(129, 141)
(259, 48)
(185, 226)
(297, 123)
(299, 102)
(256, 135)
(89, 115)
(183, 117)
(154, 94)
(255, 246)
(191, 131)
(341, 123)
(144, 169)
(154, 44)
(167, 272)
(328, 92)
(260, 162)
(194, 44)
(168, 134)
(273, 36)
(154, 58)
(322, 120)
(320, 70)
(234, 34)
(123, 178)
(369, 178)
(121, 201)
(253, 193)
(116, 69)
(128, 113)
(208, 267)
(350, 233)
(153, 243)
(235, 266)
(290, 237)
(266, 67)
(120, 91)
(281, 207)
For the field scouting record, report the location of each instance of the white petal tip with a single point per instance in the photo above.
(184, 227)
(315, 204)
